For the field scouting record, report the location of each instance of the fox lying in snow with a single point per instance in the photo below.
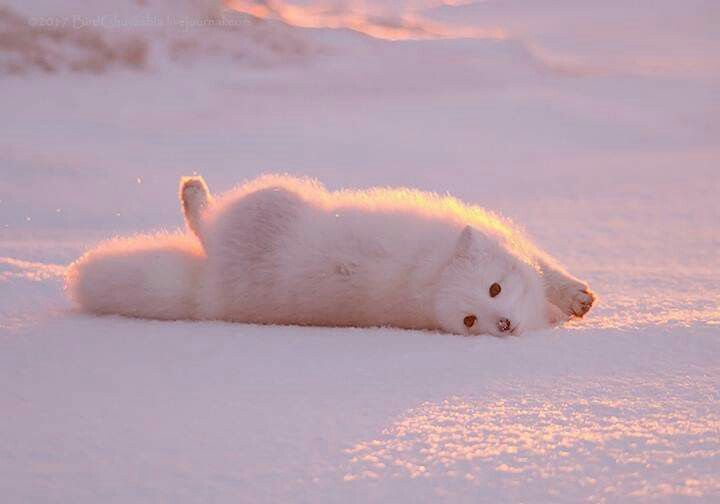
(279, 250)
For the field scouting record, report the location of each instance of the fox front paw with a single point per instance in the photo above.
(580, 302)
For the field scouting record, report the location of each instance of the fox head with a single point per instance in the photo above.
(487, 289)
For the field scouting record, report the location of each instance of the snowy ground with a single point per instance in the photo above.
(596, 128)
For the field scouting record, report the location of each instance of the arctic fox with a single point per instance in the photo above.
(282, 250)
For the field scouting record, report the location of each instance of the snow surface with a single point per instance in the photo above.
(596, 128)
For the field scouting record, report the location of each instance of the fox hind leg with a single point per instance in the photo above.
(195, 199)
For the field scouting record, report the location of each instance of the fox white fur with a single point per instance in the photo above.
(281, 250)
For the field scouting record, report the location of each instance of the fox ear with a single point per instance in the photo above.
(472, 245)
(466, 244)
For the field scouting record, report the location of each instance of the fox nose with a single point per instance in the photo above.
(504, 325)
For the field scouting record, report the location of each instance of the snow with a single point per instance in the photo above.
(595, 128)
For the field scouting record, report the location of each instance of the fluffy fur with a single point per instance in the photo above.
(280, 250)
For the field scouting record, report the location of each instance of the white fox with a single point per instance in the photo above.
(281, 250)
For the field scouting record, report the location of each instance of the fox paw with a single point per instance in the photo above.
(580, 301)
(195, 198)
(194, 193)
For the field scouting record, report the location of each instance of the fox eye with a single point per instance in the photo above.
(495, 289)
(469, 321)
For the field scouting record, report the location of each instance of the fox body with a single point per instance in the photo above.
(280, 250)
